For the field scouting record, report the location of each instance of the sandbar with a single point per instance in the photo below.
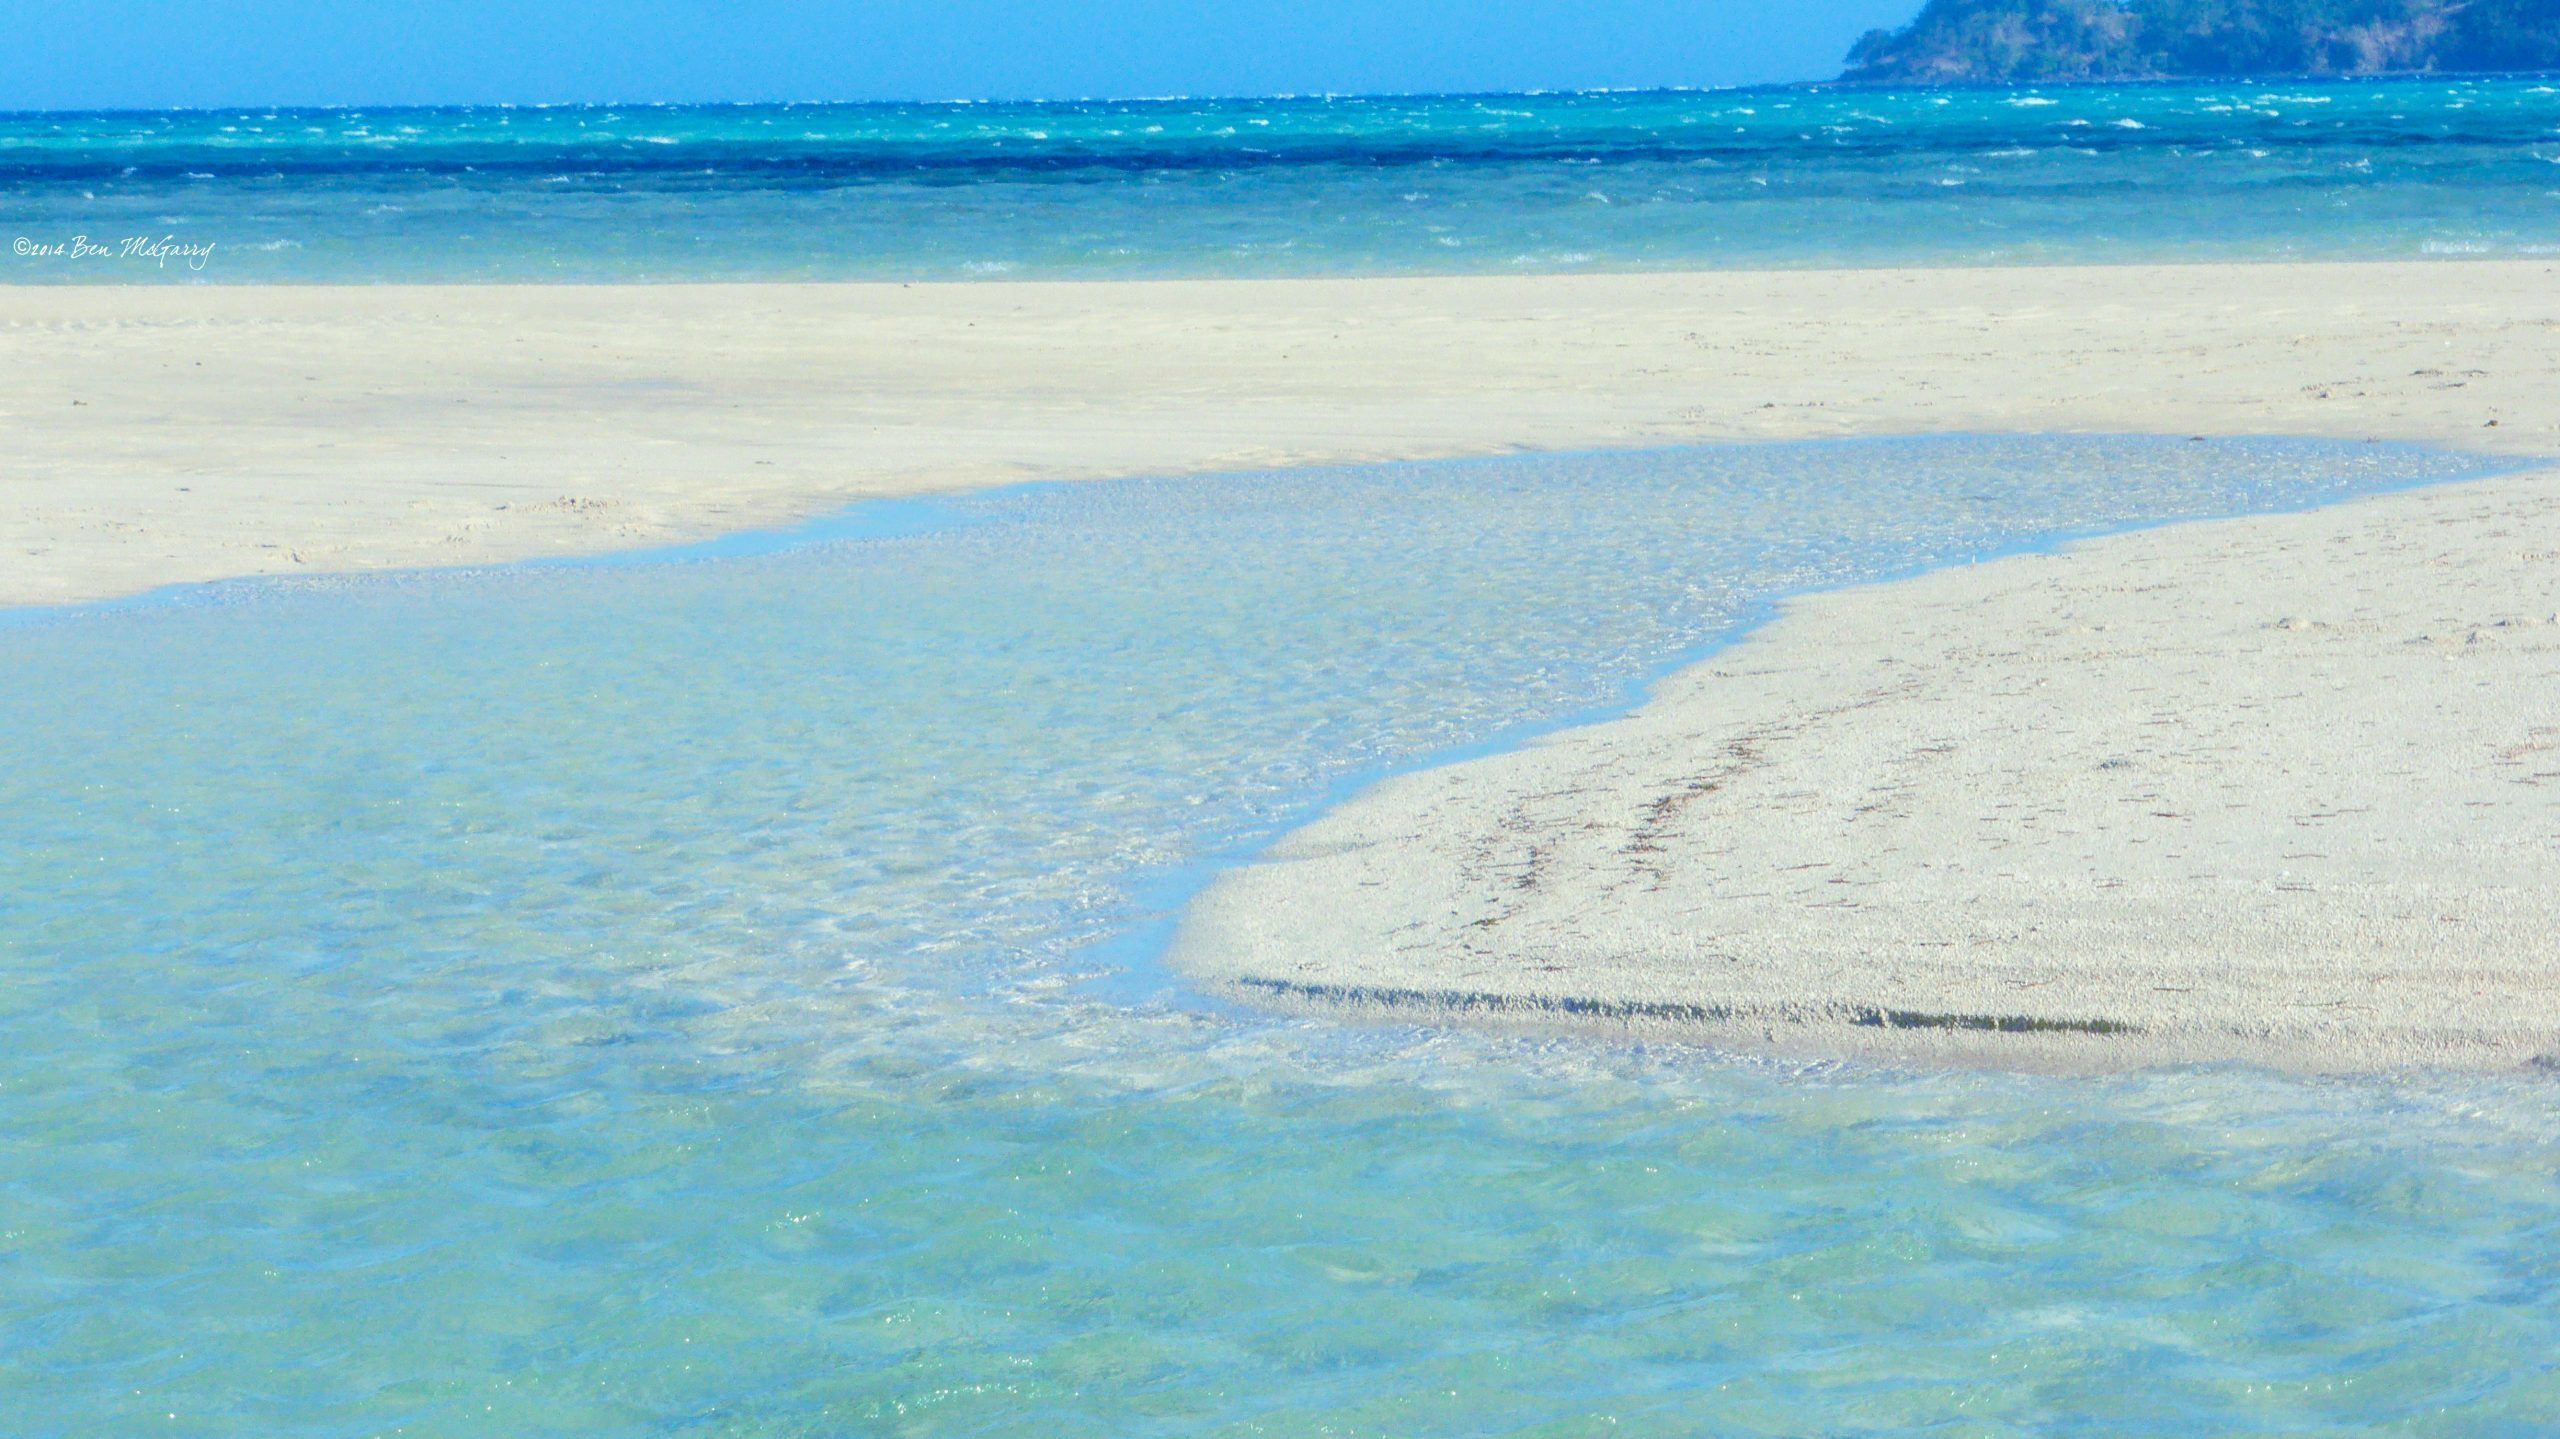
(166, 434)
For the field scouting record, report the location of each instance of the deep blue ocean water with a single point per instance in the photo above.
(2382, 169)
(711, 994)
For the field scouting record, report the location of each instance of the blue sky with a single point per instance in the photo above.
(64, 54)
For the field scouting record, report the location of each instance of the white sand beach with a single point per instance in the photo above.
(167, 434)
(2282, 789)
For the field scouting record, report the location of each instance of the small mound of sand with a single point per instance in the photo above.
(2283, 789)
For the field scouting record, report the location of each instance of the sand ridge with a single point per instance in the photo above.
(166, 434)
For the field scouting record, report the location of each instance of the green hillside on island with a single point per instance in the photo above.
(1964, 41)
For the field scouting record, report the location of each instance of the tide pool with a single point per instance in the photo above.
(715, 993)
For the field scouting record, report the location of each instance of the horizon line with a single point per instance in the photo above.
(1841, 81)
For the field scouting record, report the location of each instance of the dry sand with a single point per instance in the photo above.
(156, 435)
(2282, 789)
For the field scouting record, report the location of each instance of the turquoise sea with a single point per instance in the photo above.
(2382, 169)
(718, 992)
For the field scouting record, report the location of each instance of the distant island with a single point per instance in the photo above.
(1979, 41)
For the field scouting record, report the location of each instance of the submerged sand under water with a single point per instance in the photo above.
(652, 998)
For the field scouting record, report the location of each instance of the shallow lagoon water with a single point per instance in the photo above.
(712, 994)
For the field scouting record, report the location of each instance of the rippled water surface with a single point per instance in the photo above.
(2378, 169)
(715, 995)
